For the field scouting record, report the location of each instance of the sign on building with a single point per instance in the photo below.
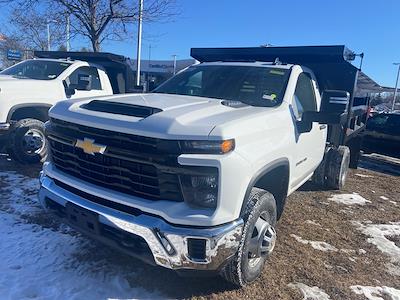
(13, 54)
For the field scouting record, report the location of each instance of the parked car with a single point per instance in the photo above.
(28, 89)
(382, 134)
(195, 175)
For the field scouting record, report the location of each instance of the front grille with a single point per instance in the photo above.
(134, 165)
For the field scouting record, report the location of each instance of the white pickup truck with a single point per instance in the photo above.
(194, 176)
(28, 89)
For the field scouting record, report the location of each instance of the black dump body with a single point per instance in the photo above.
(117, 67)
(330, 64)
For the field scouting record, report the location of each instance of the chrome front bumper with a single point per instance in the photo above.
(169, 244)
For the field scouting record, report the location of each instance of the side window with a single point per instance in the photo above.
(304, 96)
(87, 77)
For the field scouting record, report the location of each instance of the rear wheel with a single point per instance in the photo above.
(337, 168)
(258, 239)
(319, 176)
(355, 147)
(27, 142)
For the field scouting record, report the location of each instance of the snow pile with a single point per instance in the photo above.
(322, 246)
(349, 199)
(310, 293)
(384, 198)
(376, 293)
(41, 263)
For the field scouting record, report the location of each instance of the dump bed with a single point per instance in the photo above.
(117, 67)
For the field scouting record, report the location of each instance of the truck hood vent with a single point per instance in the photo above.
(121, 108)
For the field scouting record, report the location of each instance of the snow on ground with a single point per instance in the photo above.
(379, 235)
(363, 175)
(349, 199)
(310, 293)
(311, 222)
(318, 245)
(377, 292)
(42, 263)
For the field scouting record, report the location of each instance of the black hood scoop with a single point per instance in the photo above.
(121, 108)
(233, 104)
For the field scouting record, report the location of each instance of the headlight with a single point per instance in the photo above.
(207, 147)
(201, 188)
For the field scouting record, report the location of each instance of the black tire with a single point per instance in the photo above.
(27, 143)
(337, 168)
(244, 266)
(355, 148)
(319, 176)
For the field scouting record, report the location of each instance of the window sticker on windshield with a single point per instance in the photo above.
(277, 72)
(269, 97)
(52, 76)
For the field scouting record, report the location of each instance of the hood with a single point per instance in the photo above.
(170, 117)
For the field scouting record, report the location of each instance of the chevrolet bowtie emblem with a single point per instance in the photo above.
(90, 147)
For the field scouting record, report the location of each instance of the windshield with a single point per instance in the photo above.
(256, 86)
(37, 69)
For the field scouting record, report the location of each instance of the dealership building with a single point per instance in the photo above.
(157, 71)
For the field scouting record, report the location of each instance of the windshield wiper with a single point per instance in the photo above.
(20, 76)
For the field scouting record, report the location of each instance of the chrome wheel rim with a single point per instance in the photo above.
(33, 142)
(262, 241)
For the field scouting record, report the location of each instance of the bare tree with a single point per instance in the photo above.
(97, 20)
(7, 43)
(30, 28)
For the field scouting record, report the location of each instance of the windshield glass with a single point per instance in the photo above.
(256, 86)
(37, 69)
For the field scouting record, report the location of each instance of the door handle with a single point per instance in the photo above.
(322, 126)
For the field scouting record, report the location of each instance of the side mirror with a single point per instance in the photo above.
(303, 125)
(69, 91)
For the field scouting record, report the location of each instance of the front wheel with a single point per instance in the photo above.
(258, 239)
(27, 141)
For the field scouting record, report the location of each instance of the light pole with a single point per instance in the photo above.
(174, 56)
(68, 33)
(139, 42)
(397, 82)
(48, 34)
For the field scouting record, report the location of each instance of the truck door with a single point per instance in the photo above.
(310, 146)
(86, 82)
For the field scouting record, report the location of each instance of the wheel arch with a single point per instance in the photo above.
(37, 111)
(274, 178)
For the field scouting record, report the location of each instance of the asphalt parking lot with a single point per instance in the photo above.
(331, 245)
